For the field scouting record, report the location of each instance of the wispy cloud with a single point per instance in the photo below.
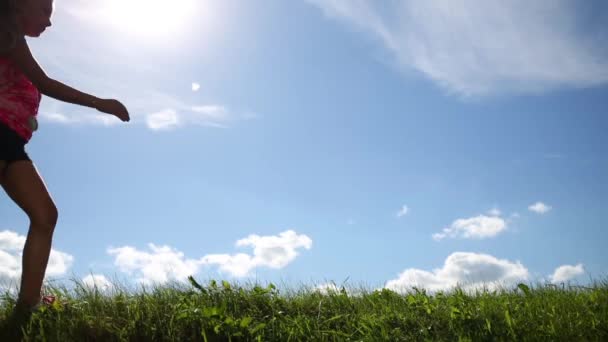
(494, 212)
(11, 248)
(172, 114)
(469, 270)
(540, 208)
(164, 263)
(566, 272)
(477, 48)
(175, 113)
(165, 119)
(479, 227)
(70, 118)
(403, 211)
(195, 86)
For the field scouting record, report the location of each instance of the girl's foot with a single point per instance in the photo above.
(21, 316)
(46, 300)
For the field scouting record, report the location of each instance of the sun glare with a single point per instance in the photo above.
(152, 18)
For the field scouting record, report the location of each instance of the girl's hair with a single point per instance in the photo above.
(8, 27)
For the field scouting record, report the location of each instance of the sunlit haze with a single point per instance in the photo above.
(151, 18)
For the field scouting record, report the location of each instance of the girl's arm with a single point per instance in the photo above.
(22, 57)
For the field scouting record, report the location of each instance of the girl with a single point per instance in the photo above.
(22, 81)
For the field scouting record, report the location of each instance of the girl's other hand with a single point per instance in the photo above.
(113, 107)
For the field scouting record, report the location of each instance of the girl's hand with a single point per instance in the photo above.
(113, 107)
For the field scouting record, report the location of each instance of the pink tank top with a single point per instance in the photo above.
(19, 100)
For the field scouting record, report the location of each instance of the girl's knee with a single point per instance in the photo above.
(45, 219)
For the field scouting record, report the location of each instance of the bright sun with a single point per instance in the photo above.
(152, 18)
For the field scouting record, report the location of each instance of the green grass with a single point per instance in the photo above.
(220, 311)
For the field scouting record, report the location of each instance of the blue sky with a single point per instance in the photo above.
(414, 143)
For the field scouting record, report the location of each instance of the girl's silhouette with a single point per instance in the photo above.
(22, 81)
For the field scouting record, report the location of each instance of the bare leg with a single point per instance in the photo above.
(2, 166)
(25, 186)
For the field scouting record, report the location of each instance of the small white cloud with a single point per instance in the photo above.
(469, 270)
(97, 280)
(332, 289)
(494, 212)
(163, 120)
(403, 211)
(539, 208)
(479, 227)
(209, 115)
(566, 272)
(268, 251)
(327, 288)
(195, 86)
(11, 250)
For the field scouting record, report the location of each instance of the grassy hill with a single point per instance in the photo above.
(220, 311)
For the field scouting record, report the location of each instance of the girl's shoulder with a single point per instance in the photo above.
(5, 54)
(7, 43)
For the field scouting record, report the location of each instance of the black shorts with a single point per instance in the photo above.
(12, 146)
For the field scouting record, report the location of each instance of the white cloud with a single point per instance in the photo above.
(195, 86)
(268, 251)
(158, 266)
(162, 120)
(11, 250)
(539, 208)
(403, 211)
(479, 227)
(164, 263)
(566, 272)
(477, 47)
(238, 265)
(97, 280)
(469, 270)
